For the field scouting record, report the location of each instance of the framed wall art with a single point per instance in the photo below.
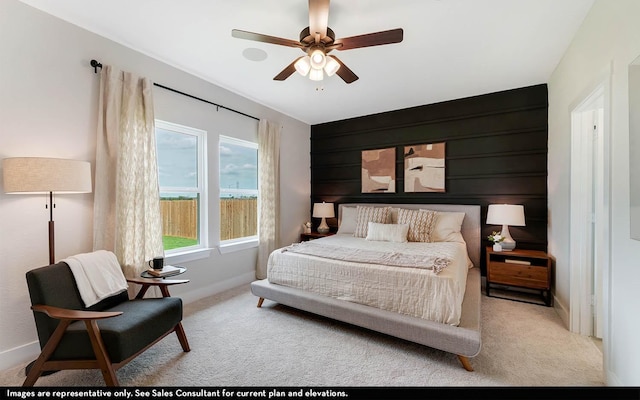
(379, 171)
(424, 168)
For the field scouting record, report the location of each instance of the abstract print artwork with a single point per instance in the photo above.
(424, 168)
(379, 171)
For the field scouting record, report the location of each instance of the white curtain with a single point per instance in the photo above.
(127, 216)
(269, 185)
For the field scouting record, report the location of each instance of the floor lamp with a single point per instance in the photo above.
(32, 175)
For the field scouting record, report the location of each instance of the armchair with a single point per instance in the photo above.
(104, 336)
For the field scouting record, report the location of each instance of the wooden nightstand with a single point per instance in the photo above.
(529, 269)
(313, 235)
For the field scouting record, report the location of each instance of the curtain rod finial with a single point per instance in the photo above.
(95, 64)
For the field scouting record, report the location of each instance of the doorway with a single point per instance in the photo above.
(589, 219)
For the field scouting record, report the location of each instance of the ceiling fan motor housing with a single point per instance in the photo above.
(307, 39)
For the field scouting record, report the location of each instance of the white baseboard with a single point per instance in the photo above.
(194, 295)
(30, 351)
(19, 355)
(563, 312)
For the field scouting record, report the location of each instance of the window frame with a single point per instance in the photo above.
(245, 242)
(202, 249)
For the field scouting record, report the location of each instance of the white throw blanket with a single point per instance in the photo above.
(98, 275)
(436, 261)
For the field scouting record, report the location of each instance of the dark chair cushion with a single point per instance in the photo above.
(54, 285)
(142, 322)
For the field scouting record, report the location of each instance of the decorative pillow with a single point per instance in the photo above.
(393, 215)
(420, 223)
(447, 226)
(348, 220)
(387, 232)
(368, 214)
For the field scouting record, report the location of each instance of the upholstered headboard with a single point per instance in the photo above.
(470, 229)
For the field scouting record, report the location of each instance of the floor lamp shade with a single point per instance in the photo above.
(323, 210)
(44, 175)
(32, 175)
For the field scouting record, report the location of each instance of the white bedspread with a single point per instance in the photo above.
(417, 292)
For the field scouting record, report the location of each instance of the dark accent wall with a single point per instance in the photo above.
(496, 152)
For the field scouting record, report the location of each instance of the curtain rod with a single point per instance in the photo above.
(95, 64)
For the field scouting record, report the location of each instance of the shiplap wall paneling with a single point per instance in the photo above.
(496, 152)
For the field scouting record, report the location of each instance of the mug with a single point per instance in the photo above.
(157, 263)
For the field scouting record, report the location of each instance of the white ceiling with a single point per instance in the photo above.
(451, 48)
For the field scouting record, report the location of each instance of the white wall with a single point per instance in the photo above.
(608, 41)
(48, 107)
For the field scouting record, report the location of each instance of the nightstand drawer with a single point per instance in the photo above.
(519, 275)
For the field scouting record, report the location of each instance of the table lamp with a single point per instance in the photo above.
(505, 215)
(323, 210)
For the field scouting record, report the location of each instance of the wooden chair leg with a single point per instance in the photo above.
(108, 372)
(49, 348)
(260, 300)
(182, 337)
(465, 363)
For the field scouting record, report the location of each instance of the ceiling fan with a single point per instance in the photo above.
(317, 41)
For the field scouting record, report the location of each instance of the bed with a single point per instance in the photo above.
(425, 289)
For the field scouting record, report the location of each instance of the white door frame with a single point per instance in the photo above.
(584, 210)
(581, 218)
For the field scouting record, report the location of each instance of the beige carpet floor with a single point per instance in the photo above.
(234, 343)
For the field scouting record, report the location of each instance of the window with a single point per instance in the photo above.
(238, 190)
(183, 196)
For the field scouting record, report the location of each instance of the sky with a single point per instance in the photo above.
(238, 167)
(177, 161)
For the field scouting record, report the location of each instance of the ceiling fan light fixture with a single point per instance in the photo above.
(316, 40)
(315, 74)
(318, 59)
(303, 65)
(331, 66)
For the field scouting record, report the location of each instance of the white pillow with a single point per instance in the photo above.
(348, 220)
(387, 232)
(447, 226)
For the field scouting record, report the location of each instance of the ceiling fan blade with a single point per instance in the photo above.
(318, 17)
(344, 72)
(258, 37)
(287, 71)
(371, 39)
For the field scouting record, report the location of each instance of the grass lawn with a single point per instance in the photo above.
(173, 242)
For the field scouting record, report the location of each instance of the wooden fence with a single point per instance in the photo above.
(180, 218)
(238, 218)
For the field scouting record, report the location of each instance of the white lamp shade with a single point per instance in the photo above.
(323, 210)
(44, 175)
(332, 66)
(315, 74)
(505, 214)
(303, 65)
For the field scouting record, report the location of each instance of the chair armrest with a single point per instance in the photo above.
(65, 313)
(157, 281)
